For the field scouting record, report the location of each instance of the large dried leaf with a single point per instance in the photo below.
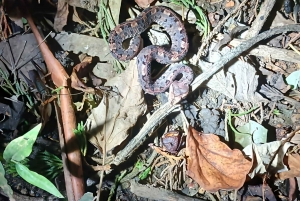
(240, 82)
(114, 117)
(78, 43)
(262, 154)
(213, 165)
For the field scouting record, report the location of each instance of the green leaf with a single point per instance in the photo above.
(24, 20)
(258, 134)
(3, 184)
(21, 147)
(87, 197)
(293, 79)
(145, 174)
(37, 180)
(139, 165)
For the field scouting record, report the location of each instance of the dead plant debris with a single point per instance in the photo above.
(232, 133)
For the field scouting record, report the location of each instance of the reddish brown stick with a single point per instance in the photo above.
(61, 78)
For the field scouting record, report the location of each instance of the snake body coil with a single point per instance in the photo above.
(172, 24)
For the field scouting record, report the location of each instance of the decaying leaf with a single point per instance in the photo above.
(61, 16)
(80, 71)
(117, 114)
(294, 164)
(212, 164)
(240, 82)
(262, 154)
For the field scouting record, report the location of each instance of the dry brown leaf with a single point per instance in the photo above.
(143, 3)
(80, 71)
(61, 16)
(293, 164)
(212, 164)
(110, 122)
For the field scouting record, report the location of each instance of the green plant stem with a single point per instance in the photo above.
(114, 187)
(230, 115)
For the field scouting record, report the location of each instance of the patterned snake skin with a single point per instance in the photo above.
(172, 24)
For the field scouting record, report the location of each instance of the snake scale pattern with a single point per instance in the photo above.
(178, 76)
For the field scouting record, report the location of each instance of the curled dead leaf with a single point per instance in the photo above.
(80, 71)
(212, 164)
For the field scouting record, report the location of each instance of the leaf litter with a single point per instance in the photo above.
(223, 136)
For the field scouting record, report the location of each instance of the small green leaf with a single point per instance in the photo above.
(145, 174)
(21, 147)
(293, 79)
(139, 165)
(251, 132)
(24, 20)
(37, 180)
(3, 184)
(276, 112)
(81, 138)
(87, 197)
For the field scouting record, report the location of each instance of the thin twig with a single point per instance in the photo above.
(41, 42)
(104, 151)
(291, 46)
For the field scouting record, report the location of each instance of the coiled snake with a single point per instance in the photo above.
(165, 17)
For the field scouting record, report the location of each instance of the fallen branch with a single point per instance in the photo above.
(156, 193)
(61, 79)
(261, 18)
(267, 51)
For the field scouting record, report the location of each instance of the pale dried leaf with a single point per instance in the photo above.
(240, 82)
(79, 43)
(115, 116)
(262, 154)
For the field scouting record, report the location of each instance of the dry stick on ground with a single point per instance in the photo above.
(61, 78)
(167, 108)
(266, 51)
(156, 193)
(262, 16)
